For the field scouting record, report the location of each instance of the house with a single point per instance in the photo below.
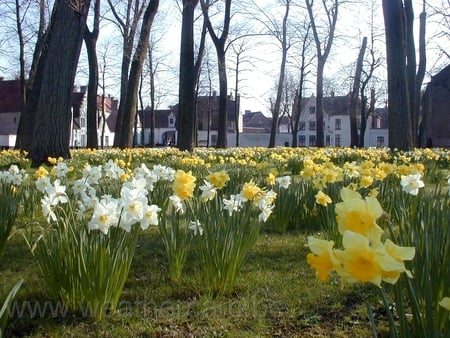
(337, 124)
(10, 111)
(436, 124)
(207, 122)
(10, 108)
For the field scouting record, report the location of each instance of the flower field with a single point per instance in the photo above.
(238, 242)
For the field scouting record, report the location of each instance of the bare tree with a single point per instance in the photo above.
(90, 39)
(331, 12)
(219, 44)
(354, 95)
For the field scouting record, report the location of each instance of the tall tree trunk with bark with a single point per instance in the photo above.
(126, 139)
(90, 39)
(49, 102)
(280, 86)
(219, 44)
(186, 112)
(23, 141)
(355, 95)
(322, 55)
(400, 130)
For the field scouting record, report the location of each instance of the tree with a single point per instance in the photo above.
(48, 105)
(90, 40)
(126, 137)
(189, 73)
(354, 96)
(331, 11)
(219, 44)
(282, 37)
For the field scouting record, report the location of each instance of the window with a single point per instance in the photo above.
(214, 139)
(312, 110)
(380, 141)
(15, 120)
(337, 140)
(328, 140)
(302, 141)
(312, 140)
(337, 124)
(106, 140)
(312, 125)
(301, 125)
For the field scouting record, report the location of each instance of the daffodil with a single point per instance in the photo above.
(150, 216)
(219, 179)
(250, 190)
(400, 254)
(184, 184)
(412, 183)
(322, 198)
(208, 191)
(359, 215)
(364, 263)
(322, 258)
(105, 215)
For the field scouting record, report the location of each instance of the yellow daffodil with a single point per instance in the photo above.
(322, 198)
(218, 179)
(270, 179)
(183, 184)
(322, 258)
(364, 263)
(250, 190)
(400, 254)
(359, 215)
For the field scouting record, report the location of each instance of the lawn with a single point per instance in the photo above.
(275, 292)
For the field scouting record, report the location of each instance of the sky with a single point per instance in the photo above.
(261, 69)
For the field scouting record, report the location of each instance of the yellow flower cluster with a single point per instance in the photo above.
(184, 184)
(219, 179)
(364, 258)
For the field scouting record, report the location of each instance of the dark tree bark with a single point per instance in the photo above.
(219, 44)
(280, 86)
(355, 95)
(400, 130)
(322, 55)
(90, 40)
(126, 139)
(25, 129)
(186, 114)
(49, 102)
(128, 28)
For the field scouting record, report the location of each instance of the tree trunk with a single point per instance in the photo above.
(219, 44)
(276, 106)
(51, 92)
(126, 139)
(90, 39)
(400, 135)
(319, 104)
(223, 100)
(355, 95)
(186, 112)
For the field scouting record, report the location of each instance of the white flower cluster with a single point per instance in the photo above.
(130, 208)
(13, 175)
(264, 204)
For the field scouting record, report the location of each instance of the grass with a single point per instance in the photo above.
(276, 295)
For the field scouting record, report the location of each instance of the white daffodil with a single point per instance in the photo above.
(412, 183)
(105, 216)
(284, 181)
(234, 203)
(150, 216)
(57, 192)
(208, 191)
(196, 228)
(61, 169)
(175, 201)
(132, 203)
(43, 183)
